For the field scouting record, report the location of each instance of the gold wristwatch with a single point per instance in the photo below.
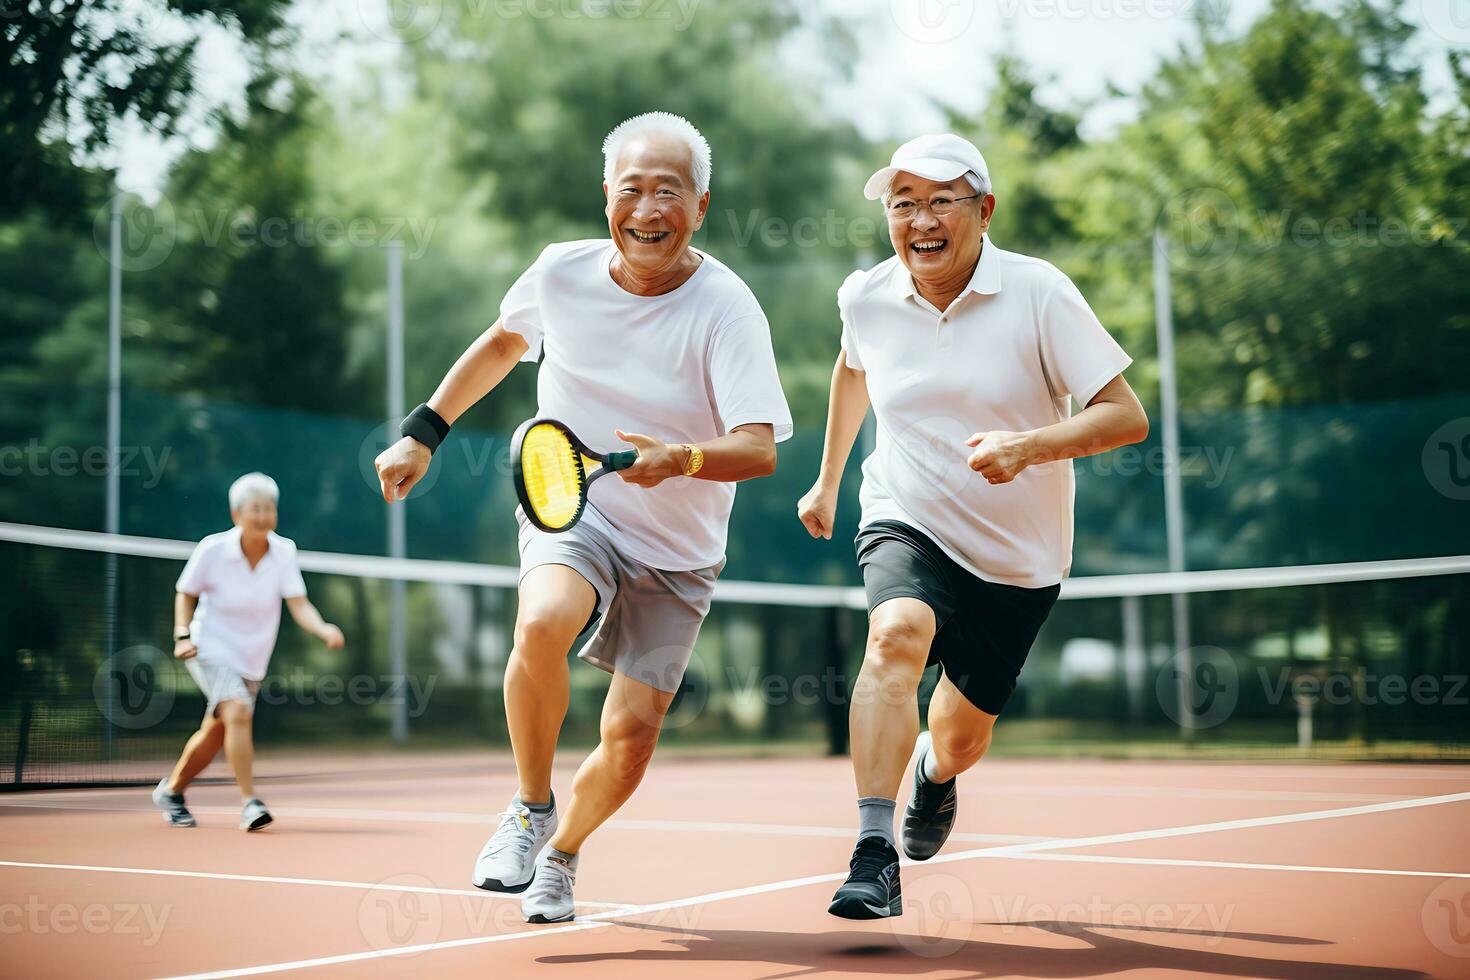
(695, 460)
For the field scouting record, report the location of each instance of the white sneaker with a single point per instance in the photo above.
(549, 899)
(254, 815)
(507, 860)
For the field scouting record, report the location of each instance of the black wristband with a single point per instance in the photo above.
(425, 425)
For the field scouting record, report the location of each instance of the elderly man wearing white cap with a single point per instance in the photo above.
(972, 357)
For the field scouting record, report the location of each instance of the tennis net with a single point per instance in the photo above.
(1354, 660)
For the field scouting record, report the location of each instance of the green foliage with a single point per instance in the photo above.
(73, 70)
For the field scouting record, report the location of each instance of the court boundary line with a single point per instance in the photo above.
(1015, 850)
(368, 815)
(281, 880)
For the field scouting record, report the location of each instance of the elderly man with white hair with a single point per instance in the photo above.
(643, 332)
(973, 358)
(227, 612)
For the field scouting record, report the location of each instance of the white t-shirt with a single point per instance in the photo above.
(239, 611)
(684, 367)
(997, 359)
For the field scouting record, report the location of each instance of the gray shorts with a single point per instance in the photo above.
(650, 618)
(220, 683)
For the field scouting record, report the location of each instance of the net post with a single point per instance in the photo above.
(113, 521)
(397, 530)
(835, 699)
(1173, 493)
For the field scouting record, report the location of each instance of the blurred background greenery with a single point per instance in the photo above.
(1313, 182)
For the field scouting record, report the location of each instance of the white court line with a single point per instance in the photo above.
(426, 816)
(1016, 850)
(273, 880)
(1242, 865)
(1061, 843)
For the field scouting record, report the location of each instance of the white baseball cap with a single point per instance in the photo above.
(938, 156)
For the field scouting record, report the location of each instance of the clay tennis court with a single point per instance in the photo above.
(722, 867)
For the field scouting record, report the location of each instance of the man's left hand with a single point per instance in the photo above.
(657, 461)
(999, 456)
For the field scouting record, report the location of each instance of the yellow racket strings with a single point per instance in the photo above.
(553, 475)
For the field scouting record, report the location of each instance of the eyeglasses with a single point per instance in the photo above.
(903, 209)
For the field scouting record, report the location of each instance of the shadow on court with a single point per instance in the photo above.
(852, 952)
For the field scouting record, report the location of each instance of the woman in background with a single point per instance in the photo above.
(227, 613)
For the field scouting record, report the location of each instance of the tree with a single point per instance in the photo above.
(74, 71)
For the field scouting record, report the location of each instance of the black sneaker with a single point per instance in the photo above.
(871, 890)
(175, 814)
(929, 817)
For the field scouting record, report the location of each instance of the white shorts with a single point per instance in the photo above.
(220, 683)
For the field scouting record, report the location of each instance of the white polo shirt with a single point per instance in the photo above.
(687, 366)
(239, 611)
(1012, 353)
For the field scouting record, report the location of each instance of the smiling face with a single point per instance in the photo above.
(653, 209)
(938, 249)
(256, 515)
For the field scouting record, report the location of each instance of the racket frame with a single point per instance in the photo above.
(619, 460)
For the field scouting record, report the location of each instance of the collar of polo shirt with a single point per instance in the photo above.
(237, 545)
(985, 280)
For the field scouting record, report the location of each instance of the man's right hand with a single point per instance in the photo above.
(400, 466)
(818, 509)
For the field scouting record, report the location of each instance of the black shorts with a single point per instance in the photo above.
(984, 629)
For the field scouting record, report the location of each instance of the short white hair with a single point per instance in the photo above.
(250, 486)
(665, 124)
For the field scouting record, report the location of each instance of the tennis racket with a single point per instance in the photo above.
(553, 469)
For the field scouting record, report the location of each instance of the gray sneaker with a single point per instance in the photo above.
(549, 899)
(508, 859)
(929, 817)
(175, 814)
(254, 816)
